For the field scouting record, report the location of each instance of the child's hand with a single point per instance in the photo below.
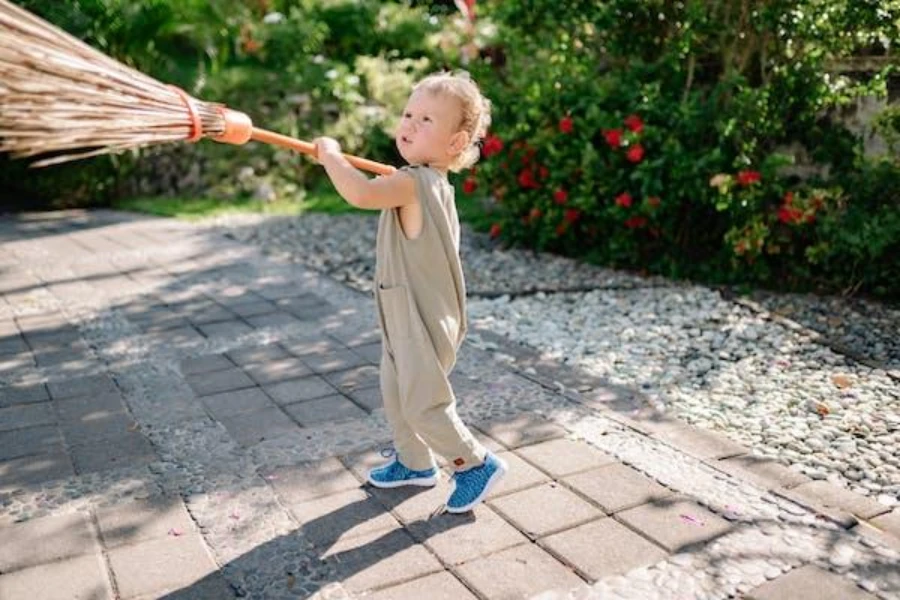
(326, 145)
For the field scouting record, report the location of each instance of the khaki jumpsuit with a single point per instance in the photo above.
(421, 300)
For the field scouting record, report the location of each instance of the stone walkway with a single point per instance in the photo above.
(184, 417)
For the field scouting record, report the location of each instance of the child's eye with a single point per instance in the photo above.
(407, 115)
(427, 119)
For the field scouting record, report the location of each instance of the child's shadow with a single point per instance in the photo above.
(342, 545)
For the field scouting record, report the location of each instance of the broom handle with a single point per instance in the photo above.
(270, 137)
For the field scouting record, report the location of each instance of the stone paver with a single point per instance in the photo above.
(616, 487)
(603, 548)
(809, 583)
(143, 520)
(833, 496)
(456, 539)
(440, 586)
(46, 539)
(674, 523)
(79, 578)
(519, 572)
(563, 457)
(160, 565)
(545, 509)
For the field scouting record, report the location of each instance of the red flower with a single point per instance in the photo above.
(469, 185)
(788, 214)
(634, 123)
(561, 228)
(624, 200)
(635, 153)
(746, 178)
(565, 125)
(526, 179)
(495, 230)
(544, 172)
(613, 137)
(491, 146)
(635, 222)
(560, 196)
(535, 214)
(654, 201)
(572, 215)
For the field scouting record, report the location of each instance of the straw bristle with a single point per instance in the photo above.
(59, 96)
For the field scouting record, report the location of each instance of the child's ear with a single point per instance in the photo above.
(459, 142)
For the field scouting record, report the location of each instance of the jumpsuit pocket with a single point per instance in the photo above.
(394, 302)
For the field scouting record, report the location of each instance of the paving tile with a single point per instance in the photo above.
(675, 523)
(89, 408)
(205, 384)
(521, 430)
(142, 520)
(36, 468)
(831, 495)
(695, 441)
(809, 583)
(92, 385)
(310, 346)
(224, 329)
(368, 398)
(439, 586)
(253, 427)
(356, 378)
(27, 415)
(230, 404)
(520, 476)
(519, 572)
(13, 344)
(277, 370)
(764, 472)
(370, 352)
(458, 538)
(160, 565)
(276, 320)
(130, 449)
(46, 539)
(616, 487)
(308, 481)
(177, 337)
(602, 549)
(563, 457)
(326, 521)
(33, 440)
(545, 509)
(338, 360)
(356, 337)
(253, 309)
(96, 428)
(380, 559)
(298, 390)
(79, 578)
(257, 354)
(205, 364)
(329, 409)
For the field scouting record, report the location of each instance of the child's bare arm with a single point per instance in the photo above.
(389, 191)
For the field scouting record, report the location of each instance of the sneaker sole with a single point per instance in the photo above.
(502, 468)
(420, 482)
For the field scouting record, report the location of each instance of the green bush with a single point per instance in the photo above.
(653, 135)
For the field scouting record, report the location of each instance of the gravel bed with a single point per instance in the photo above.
(824, 398)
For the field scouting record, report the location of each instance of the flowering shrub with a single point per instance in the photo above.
(647, 136)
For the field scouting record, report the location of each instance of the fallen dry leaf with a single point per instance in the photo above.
(822, 409)
(842, 381)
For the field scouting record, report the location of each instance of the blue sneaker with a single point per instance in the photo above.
(472, 485)
(395, 474)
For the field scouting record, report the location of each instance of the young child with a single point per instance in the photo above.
(420, 293)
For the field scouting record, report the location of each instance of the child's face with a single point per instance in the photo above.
(429, 129)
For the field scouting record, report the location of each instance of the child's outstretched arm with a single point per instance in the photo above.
(389, 191)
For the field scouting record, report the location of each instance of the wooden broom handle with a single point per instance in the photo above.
(270, 137)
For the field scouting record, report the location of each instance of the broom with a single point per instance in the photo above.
(60, 96)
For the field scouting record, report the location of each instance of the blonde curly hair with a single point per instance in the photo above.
(475, 108)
